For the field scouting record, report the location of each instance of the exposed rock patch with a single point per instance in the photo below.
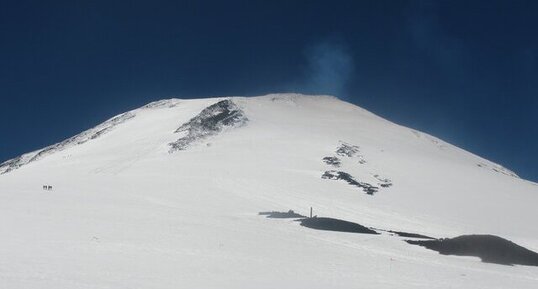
(210, 121)
(339, 175)
(78, 139)
(351, 151)
(345, 155)
(347, 150)
(498, 169)
(169, 103)
(383, 182)
(332, 161)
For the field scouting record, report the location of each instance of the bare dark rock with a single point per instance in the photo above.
(383, 182)
(498, 169)
(210, 121)
(78, 139)
(347, 150)
(161, 103)
(333, 161)
(339, 175)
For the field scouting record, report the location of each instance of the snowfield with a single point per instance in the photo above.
(128, 209)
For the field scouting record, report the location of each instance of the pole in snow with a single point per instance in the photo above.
(310, 212)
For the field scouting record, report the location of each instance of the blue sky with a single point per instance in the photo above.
(465, 71)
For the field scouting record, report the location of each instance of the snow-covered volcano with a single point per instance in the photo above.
(169, 196)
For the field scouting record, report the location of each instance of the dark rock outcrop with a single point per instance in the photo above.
(210, 121)
(339, 175)
(347, 150)
(78, 139)
(332, 161)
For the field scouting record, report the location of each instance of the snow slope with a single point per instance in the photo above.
(168, 196)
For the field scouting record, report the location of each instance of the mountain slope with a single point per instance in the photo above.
(168, 196)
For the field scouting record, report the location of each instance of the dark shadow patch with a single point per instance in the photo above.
(489, 248)
(282, 215)
(330, 224)
(410, 235)
(339, 175)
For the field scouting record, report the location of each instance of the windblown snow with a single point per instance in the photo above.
(169, 196)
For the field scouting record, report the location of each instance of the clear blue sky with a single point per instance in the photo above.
(465, 71)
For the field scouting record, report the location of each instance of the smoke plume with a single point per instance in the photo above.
(330, 67)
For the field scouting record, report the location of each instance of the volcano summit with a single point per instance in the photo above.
(168, 196)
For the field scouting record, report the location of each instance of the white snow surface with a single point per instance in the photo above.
(124, 212)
